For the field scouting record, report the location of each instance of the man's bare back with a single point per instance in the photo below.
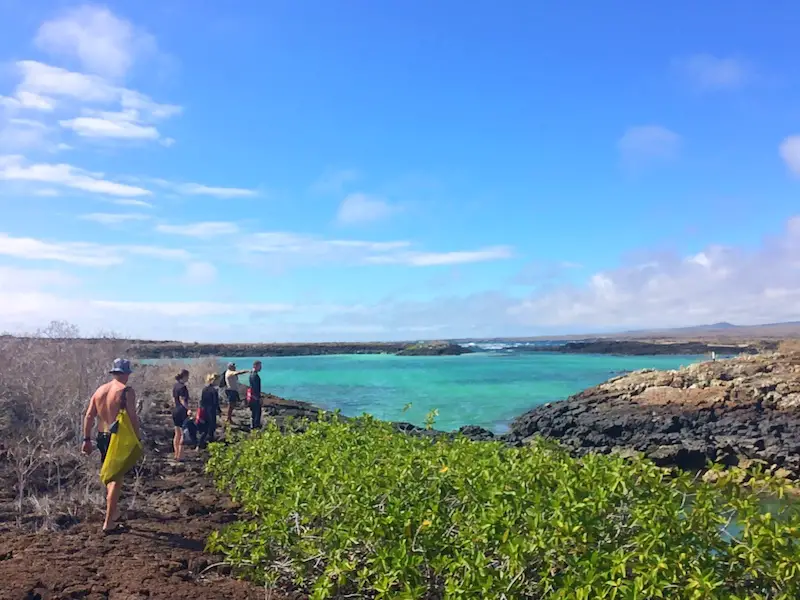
(105, 405)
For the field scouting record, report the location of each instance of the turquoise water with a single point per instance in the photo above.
(487, 389)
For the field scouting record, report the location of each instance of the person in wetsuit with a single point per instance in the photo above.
(104, 406)
(180, 394)
(255, 395)
(209, 410)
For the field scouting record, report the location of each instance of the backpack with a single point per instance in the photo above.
(189, 433)
(223, 383)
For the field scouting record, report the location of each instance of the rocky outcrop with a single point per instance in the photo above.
(640, 348)
(434, 349)
(183, 350)
(726, 411)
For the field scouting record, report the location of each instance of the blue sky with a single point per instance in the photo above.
(397, 170)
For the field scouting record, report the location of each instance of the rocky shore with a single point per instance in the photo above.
(149, 349)
(729, 411)
(650, 348)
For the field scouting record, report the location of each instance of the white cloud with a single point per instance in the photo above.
(200, 273)
(648, 144)
(363, 208)
(78, 253)
(196, 189)
(13, 168)
(191, 309)
(716, 284)
(308, 249)
(82, 253)
(46, 193)
(114, 218)
(707, 72)
(431, 259)
(204, 229)
(118, 127)
(28, 100)
(790, 153)
(133, 202)
(135, 118)
(21, 280)
(101, 41)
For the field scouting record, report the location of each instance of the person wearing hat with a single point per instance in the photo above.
(103, 409)
(233, 388)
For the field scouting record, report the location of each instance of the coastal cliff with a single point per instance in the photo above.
(728, 411)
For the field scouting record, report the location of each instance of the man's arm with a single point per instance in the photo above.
(242, 372)
(88, 424)
(131, 401)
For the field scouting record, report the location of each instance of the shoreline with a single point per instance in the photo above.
(178, 350)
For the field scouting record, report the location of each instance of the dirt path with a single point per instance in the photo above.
(176, 507)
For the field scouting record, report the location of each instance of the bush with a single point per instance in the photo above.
(357, 508)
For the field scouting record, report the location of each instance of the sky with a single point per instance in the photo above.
(319, 171)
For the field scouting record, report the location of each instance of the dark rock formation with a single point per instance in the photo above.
(725, 411)
(183, 350)
(640, 348)
(434, 349)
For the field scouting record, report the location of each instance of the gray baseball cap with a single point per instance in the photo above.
(121, 365)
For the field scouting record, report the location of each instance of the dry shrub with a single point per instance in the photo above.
(45, 382)
(789, 347)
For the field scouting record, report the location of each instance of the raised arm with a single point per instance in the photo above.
(88, 424)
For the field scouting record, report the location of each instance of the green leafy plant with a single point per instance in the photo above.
(354, 508)
(430, 418)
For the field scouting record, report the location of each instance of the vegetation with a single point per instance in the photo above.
(354, 508)
(46, 380)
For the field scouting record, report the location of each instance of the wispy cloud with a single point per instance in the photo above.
(132, 202)
(122, 125)
(293, 248)
(363, 208)
(708, 73)
(101, 41)
(204, 229)
(82, 253)
(648, 144)
(432, 259)
(197, 189)
(790, 153)
(14, 168)
(114, 218)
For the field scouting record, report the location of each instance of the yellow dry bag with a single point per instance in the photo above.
(124, 448)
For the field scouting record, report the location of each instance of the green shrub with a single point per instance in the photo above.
(355, 508)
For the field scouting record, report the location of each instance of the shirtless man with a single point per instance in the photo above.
(104, 407)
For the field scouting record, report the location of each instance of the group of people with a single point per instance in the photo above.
(111, 398)
(201, 430)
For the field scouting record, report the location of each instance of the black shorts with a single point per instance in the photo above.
(233, 396)
(179, 416)
(103, 440)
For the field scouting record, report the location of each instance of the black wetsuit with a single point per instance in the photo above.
(255, 403)
(209, 402)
